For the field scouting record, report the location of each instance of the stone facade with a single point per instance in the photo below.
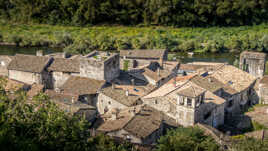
(59, 78)
(4, 62)
(26, 77)
(253, 63)
(100, 67)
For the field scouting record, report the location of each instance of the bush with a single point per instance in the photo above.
(186, 139)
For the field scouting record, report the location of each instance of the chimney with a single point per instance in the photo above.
(158, 72)
(209, 80)
(114, 116)
(133, 82)
(39, 53)
(127, 93)
(73, 100)
(64, 55)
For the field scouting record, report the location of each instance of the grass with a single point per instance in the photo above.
(83, 39)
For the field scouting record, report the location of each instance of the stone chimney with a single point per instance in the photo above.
(114, 116)
(39, 53)
(158, 72)
(127, 93)
(73, 100)
(209, 80)
(64, 55)
(133, 82)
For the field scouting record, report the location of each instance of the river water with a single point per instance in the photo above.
(208, 57)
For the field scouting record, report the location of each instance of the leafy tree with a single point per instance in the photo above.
(186, 139)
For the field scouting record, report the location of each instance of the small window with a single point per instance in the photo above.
(155, 102)
(189, 102)
(230, 103)
(181, 101)
(109, 102)
(207, 115)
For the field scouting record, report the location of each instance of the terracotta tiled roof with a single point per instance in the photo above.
(28, 63)
(81, 85)
(253, 55)
(65, 65)
(234, 77)
(119, 94)
(35, 90)
(191, 91)
(156, 54)
(145, 121)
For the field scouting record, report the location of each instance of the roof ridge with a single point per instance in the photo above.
(194, 91)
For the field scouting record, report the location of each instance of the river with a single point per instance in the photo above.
(208, 57)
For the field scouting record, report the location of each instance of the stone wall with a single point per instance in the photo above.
(255, 67)
(59, 78)
(100, 70)
(263, 94)
(26, 77)
(4, 62)
(106, 103)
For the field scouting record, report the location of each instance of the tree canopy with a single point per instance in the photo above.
(134, 12)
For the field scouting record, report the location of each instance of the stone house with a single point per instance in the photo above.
(4, 62)
(187, 103)
(253, 63)
(85, 88)
(62, 69)
(138, 125)
(263, 90)
(135, 58)
(30, 69)
(100, 66)
(238, 88)
(117, 97)
(71, 104)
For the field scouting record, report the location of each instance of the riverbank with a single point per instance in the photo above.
(85, 39)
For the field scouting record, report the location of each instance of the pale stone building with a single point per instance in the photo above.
(139, 124)
(30, 69)
(4, 62)
(253, 63)
(263, 90)
(136, 58)
(239, 87)
(61, 69)
(188, 103)
(70, 103)
(85, 88)
(100, 66)
(117, 97)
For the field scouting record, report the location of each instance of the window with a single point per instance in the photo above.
(189, 102)
(207, 115)
(155, 102)
(109, 103)
(230, 103)
(181, 100)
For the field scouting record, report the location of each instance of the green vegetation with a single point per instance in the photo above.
(86, 39)
(40, 126)
(249, 144)
(126, 62)
(136, 12)
(187, 139)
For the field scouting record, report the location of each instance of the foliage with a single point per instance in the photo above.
(186, 139)
(136, 12)
(86, 39)
(39, 125)
(250, 144)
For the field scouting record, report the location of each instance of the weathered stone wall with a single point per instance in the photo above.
(4, 62)
(122, 134)
(263, 94)
(112, 68)
(26, 77)
(162, 104)
(106, 103)
(255, 67)
(91, 69)
(89, 116)
(59, 78)
(100, 70)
